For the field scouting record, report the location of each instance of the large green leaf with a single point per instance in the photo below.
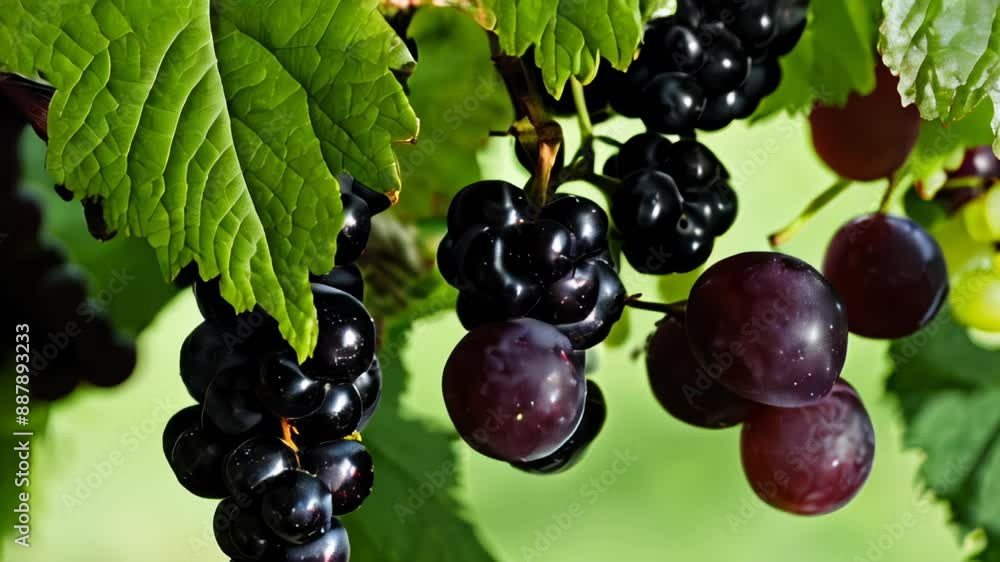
(413, 514)
(946, 53)
(949, 391)
(570, 36)
(836, 56)
(214, 130)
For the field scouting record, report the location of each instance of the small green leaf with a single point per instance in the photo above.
(569, 36)
(214, 130)
(947, 55)
(949, 392)
(836, 56)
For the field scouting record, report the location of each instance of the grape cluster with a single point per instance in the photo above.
(72, 339)
(276, 440)
(537, 287)
(709, 64)
(673, 201)
(762, 343)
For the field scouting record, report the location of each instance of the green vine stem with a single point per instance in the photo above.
(582, 114)
(815, 206)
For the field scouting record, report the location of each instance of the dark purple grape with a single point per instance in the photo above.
(196, 459)
(377, 202)
(607, 309)
(715, 207)
(572, 298)
(240, 531)
(543, 250)
(512, 391)
(297, 506)
(570, 453)
(677, 247)
(721, 110)
(671, 46)
(645, 202)
(230, 402)
(254, 462)
(752, 21)
(338, 416)
(683, 388)
(890, 273)
(369, 387)
(769, 327)
(672, 103)
(346, 468)
(765, 76)
(628, 99)
(212, 306)
(353, 237)
(203, 353)
(979, 162)
(177, 424)
(452, 252)
(116, 365)
(333, 546)
(346, 344)
(585, 219)
(347, 278)
(727, 65)
(285, 390)
(474, 310)
(643, 151)
(492, 203)
(692, 164)
(486, 268)
(790, 18)
(813, 459)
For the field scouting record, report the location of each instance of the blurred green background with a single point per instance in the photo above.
(681, 496)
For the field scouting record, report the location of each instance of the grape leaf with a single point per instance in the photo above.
(460, 99)
(812, 71)
(948, 388)
(214, 130)
(570, 36)
(413, 514)
(947, 55)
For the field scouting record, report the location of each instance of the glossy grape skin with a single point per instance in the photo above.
(772, 325)
(608, 307)
(645, 201)
(676, 247)
(672, 103)
(357, 227)
(212, 306)
(721, 110)
(333, 546)
(753, 22)
(870, 137)
(692, 164)
(296, 506)
(369, 387)
(338, 416)
(682, 387)
(178, 423)
(377, 202)
(486, 268)
(197, 458)
(979, 162)
(642, 151)
(890, 274)
(203, 353)
(976, 300)
(585, 219)
(512, 391)
(810, 460)
(543, 250)
(285, 390)
(572, 298)
(727, 65)
(716, 207)
(491, 203)
(569, 454)
(230, 402)
(346, 344)
(240, 532)
(764, 79)
(347, 278)
(790, 20)
(254, 462)
(347, 470)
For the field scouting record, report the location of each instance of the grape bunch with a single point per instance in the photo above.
(537, 287)
(277, 441)
(762, 343)
(72, 339)
(673, 201)
(709, 64)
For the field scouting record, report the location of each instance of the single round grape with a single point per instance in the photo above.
(488, 271)
(541, 249)
(453, 251)
(346, 343)
(645, 202)
(979, 162)
(572, 298)
(297, 506)
(672, 103)
(682, 387)
(643, 151)
(338, 416)
(512, 391)
(721, 110)
(810, 460)
(230, 402)
(347, 278)
(333, 546)
(285, 390)
(569, 454)
(790, 18)
(254, 462)
(585, 219)
(240, 531)
(491, 203)
(196, 459)
(118, 362)
(369, 387)
(769, 327)
(764, 79)
(677, 247)
(672, 46)
(752, 21)
(377, 202)
(177, 424)
(347, 470)
(715, 206)
(976, 299)
(727, 64)
(692, 164)
(608, 308)
(890, 274)
(871, 136)
(353, 236)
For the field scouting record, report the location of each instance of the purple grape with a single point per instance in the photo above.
(769, 327)
(255, 461)
(346, 468)
(683, 388)
(890, 273)
(346, 345)
(241, 532)
(196, 459)
(297, 506)
(369, 387)
(512, 391)
(353, 236)
(810, 460)
(594, 413)
(333, 546)
(285, 390)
